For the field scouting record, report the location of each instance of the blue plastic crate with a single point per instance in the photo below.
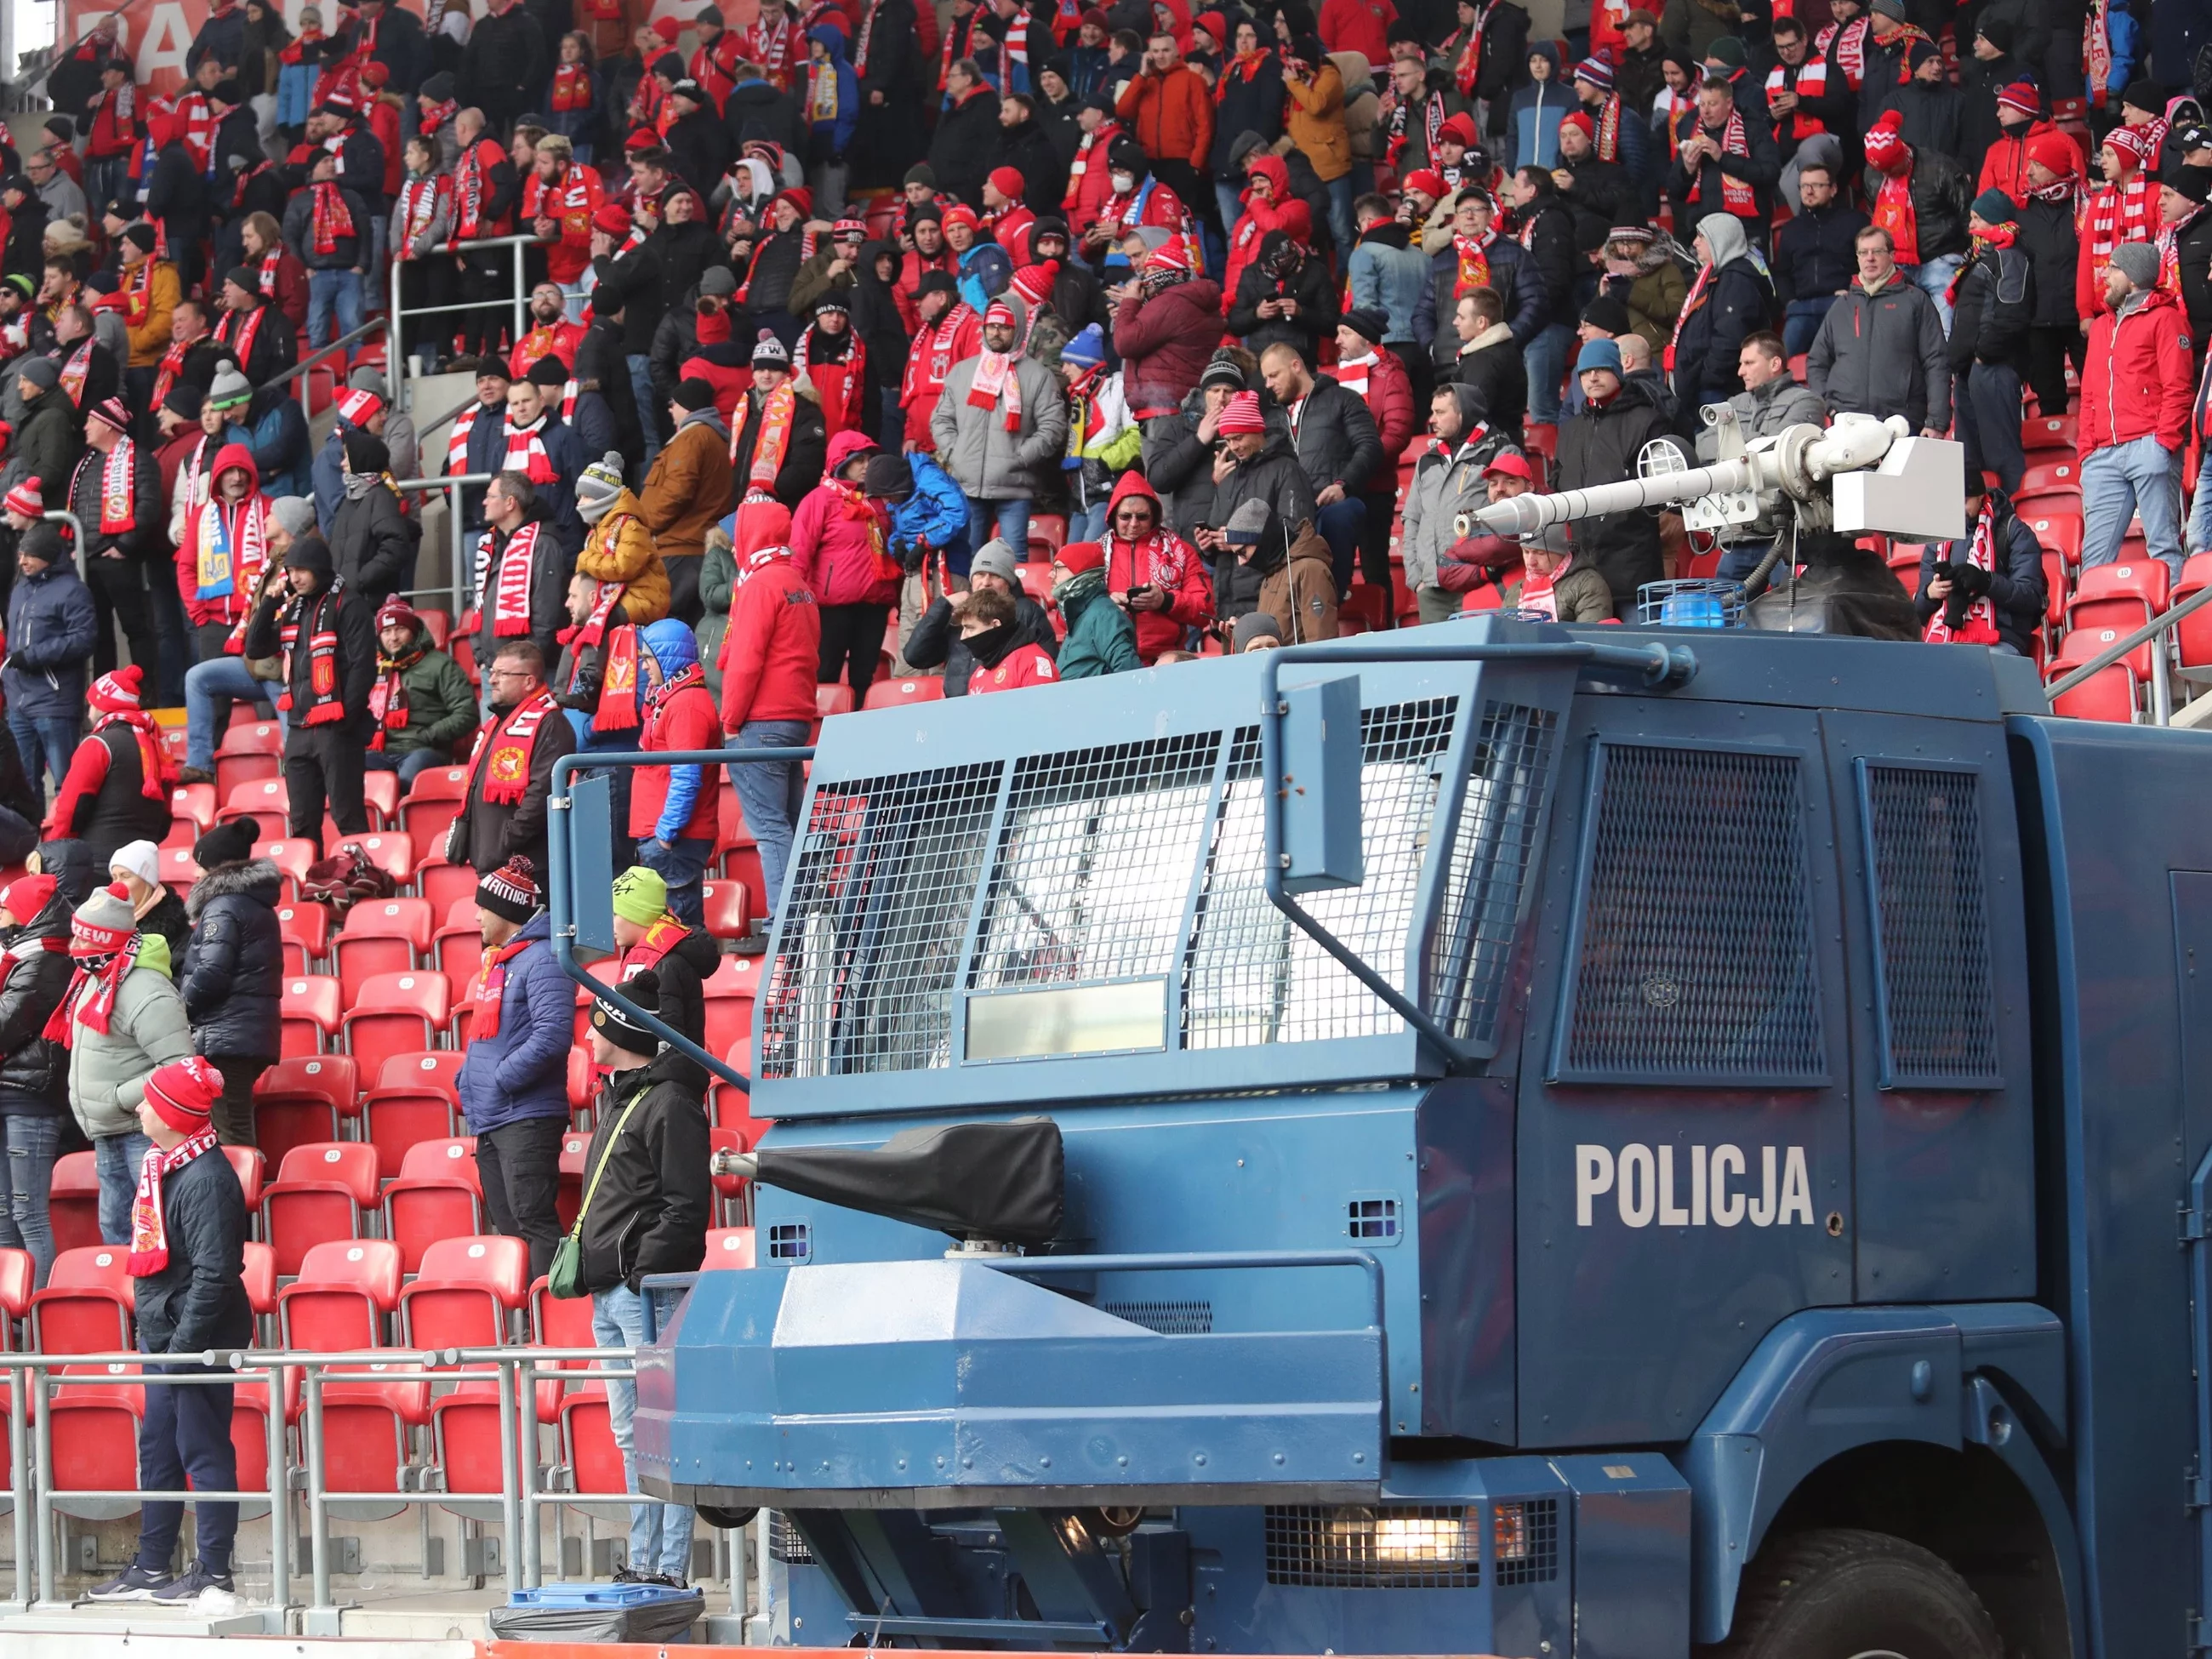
(595, 1595)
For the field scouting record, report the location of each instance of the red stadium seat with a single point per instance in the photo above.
(86, 1306)
(251, 1165)
(95, 1437)
(392, 851)
(395, 1121)
(433, 1068)
(2054, 588)
(438, 1195)
(444, 886)
(266, 800)
(195, 801)
(331, 1078)
(310, 1005)
(899, 693)
(466, 1289)
(2109, 695)
(306, 930)
(583, 1079)
(730, 1027)
(440, 624)
(259, 1277)
(346, 1291)
(2122, 597)
(2040, 433)
(365, 1426)
(321, 1192)
(2193, 634)
(2046, 477)
(728, 1247)
(439, 783)
(384, 936)
(233, 772)
(17, 1272)
(73, 1201)
(728, 908)
(252, 738)
(570, 1196)
(835, 698)
(396, 1014)
(729, 1189)
(380, 791)
(178, 872)
(292, 857)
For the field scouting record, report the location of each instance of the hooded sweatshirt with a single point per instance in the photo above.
(1163, 561)
(673, 803)
(773, 651)
(231, 542)
(838, 536)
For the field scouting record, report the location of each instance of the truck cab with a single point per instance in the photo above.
(1691, 1162)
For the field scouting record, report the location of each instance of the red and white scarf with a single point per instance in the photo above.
(502, 755)
(1893, 212)
(74, 371)
(239, 335)
(837, 381)
(331, 219)
(490, 988)
(510, 606)
(1737, 196)
(90, 998)
(149, 1227)
(526, 450)
(1101, 140)
(774, 48)
(995, 376)
(1473, 256)
(2115, 213)
(118, 486)
(1466, 54)
(1352, 373)
(1980, 624)
(1849, 42)
(419, 202)
(457, 441)
(312, 617)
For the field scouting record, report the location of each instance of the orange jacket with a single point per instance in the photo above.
(1172, 115)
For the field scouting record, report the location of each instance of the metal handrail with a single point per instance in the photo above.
(342, 343)
(452, 485)
(2161, 698)
(398, 313)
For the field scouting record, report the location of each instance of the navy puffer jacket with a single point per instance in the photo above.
(233, 978)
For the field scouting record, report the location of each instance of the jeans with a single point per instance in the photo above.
(1987, 421)
(26, 1175)
(172, 641)
(217, 681)
(1933, 278)
(410, 766)
(2121, 481)
(1341, 524)
(650, 415)
(682, 866)
(1801, 321)
(769, 793)
(1741, 560)
(1087, 524)
(659, 1533)
(1340, 217)
(1545, 357)
(329, 290)
(186, 1433)
(2200, 517)
(117, 1157)
(1013, 521)
(519, 1165)
(1228, 199)
(45, 744)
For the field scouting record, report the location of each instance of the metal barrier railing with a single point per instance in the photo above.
(520, 299)
(322, 354)
(464, 573)
(521, 1496)
(2161, 688)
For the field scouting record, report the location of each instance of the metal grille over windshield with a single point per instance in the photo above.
(885, 878)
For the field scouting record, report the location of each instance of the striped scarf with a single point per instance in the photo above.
(2114, 213)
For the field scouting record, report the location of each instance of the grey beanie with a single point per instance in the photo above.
(995, 558)
(105, 911)
(368, 378)
(2137, 261)
(1247, 524)
(1252, 627)
(295, 513)
(40, 373)
(229, 387)
(597, 487)
(718, 280)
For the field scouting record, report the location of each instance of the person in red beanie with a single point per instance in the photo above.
(33, 1068)
(1008, 218)
(117, 788)
(188, 1258)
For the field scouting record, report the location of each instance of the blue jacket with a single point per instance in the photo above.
(1532, 129)
(51, 627)
(838, 133)
(295, 93)
(522, 1071)
(280, 450)
(2125, 35)
(1089, 67)
(936, 512)
(1388, 276)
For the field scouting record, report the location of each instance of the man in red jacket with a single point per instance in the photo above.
(1378, 376)
(768, 661)
(673, 809)
(2134, 412)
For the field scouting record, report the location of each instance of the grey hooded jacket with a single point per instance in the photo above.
(107, 1070)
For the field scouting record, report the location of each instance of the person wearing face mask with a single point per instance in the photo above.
(326, 636)
(1004, 659)
(373, 541)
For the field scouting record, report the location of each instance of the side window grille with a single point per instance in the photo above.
(1486, 883)
(1250, 977)
(1525, 1541)
(1695, 922)
(1925, 855)
(1094, 865)
(1372, 1220)
(885, 877)
(784, 1543)
(788, 1241)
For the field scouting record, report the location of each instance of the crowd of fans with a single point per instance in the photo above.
(788, 403)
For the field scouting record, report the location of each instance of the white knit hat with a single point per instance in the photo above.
(140, 859)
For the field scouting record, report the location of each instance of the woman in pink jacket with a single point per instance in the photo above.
(840, 548)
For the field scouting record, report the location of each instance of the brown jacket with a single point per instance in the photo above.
(1314, 121)
(688, 490)
(1300, 593)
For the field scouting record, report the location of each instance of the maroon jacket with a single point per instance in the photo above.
(1164, 342)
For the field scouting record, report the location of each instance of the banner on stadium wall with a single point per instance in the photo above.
(157, 33)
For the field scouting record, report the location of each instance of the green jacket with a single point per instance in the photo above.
(441, 705)
(1101, 638)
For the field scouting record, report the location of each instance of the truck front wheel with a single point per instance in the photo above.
(1839, 1593)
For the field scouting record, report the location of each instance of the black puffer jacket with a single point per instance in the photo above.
(650, 1211)
(372, 542)
(1337, 442)
(34, 1072)
(935, 640)
(1706, 356)
(199, 1301)
(2046, 231)
(682, 973)
(1996, 298)
(233, 976)
(1309, 284)
(1600, 445)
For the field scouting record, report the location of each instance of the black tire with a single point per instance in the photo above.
(1839, 1593)
(730, 1520)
